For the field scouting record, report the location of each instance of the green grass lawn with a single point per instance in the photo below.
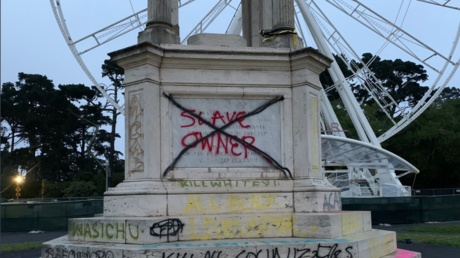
(442, 235)
(20, 246)
(434, 229)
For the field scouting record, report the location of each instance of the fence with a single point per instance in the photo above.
(407, 210)
(46, 216)
(392, 210)
(436, 192)
(60, 199)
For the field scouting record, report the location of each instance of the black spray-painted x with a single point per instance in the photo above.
(256, 111)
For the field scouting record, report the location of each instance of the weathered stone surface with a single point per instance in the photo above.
(318, 225)
(211, 39)
(135, 206)
(400, 253)
(158, 34)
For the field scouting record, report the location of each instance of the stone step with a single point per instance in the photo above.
(206, 197)
(371, 244)
(145, 230)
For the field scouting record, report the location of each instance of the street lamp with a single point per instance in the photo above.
(18, 189)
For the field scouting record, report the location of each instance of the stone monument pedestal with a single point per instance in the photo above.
(223, 160)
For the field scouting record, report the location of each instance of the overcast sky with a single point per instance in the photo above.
(31, 41)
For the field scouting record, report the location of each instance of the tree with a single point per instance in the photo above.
(431, 143)
(449, 93)
(115, 74)
(401, 79)
(46, 128)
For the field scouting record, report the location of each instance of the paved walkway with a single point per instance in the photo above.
(432, 251)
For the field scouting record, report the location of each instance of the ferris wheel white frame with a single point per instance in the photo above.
(325, 41)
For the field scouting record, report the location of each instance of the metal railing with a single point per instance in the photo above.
(60, 199)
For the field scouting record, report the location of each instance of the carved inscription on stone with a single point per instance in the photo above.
(136, 132)
(262, 130)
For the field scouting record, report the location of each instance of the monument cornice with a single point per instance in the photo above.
(307, 83)
(193, 57)
(227, 85)
(148, 80)
(311, 59)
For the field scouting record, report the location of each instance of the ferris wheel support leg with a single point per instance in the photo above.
(329, 113)
(357, 116)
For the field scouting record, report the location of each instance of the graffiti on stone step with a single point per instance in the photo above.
(208, 254)
(168, 227)
(99, 230)
(321, 251)
(351, 222)
(332, 202)
(209, 228)
(233, 203)
(65, 253)
(382, 245)
(104, 230)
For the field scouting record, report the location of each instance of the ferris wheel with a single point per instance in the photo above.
(317, 23)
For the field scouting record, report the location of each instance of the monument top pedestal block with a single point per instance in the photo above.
(216, 120)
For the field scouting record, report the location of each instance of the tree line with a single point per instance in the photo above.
(49, 133)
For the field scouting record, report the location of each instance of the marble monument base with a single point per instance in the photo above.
(374, 243)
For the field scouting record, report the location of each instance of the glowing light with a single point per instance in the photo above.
(19, 179)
